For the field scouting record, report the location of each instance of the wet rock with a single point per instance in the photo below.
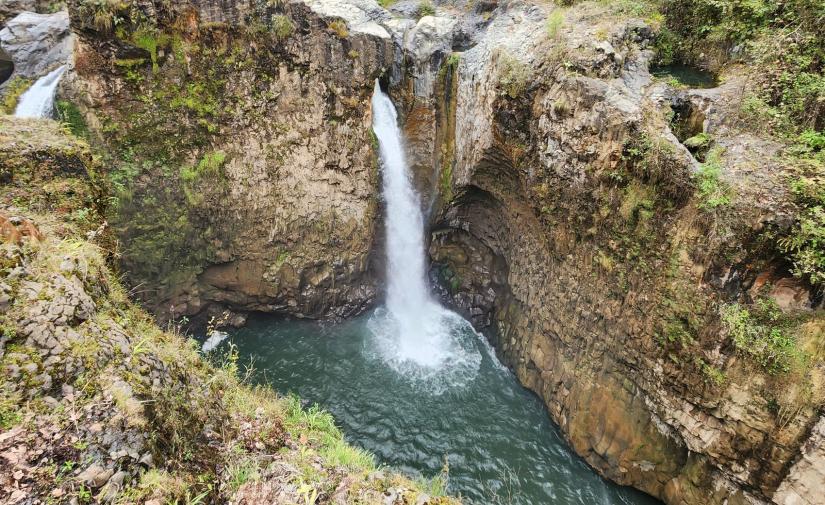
(429, 42)
(37, 43)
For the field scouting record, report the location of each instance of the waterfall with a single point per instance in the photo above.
(38, 100)
(413, 330)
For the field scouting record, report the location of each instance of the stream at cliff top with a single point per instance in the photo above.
(496, 436)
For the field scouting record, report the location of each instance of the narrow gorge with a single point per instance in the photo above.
(522, 252)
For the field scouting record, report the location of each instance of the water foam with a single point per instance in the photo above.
(413, 333)
(38, 100)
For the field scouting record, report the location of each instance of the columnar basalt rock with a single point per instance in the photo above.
(579, 260)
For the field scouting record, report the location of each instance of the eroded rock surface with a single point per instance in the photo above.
(573, 238)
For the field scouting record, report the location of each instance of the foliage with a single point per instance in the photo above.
(761, 333)
(785, 40)
(102, 15)
(513, 75)
(150, 40)
(425, 8)
(339, 28)
(554, 23)
(713, 190)
(211, 164)
(70, 115)
(14, 89)
(805, 245)
(282, 26)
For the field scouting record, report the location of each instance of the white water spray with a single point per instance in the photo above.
(38, 100)
(414, 333)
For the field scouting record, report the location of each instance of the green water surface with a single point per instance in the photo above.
(496, 436)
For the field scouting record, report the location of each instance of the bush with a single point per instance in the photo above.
(102, 15)
(70, 115)
(426, 8)
(785, 40)
(713, 191)
(760, 333)
(513, 76)
(282, 26)
(339, 27)
(554, 23)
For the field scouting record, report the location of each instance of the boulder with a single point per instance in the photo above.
(37, 43)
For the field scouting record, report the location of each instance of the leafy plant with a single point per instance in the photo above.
(760, 333)
(282, 26)
(713, 191)
(554, 23)
(513, 75)
(426, 8)
(339, 28)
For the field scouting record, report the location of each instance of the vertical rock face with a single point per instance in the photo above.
(574, 238)
(242, 140)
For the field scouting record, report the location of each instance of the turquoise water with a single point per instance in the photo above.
(687, 75)
(497, 438)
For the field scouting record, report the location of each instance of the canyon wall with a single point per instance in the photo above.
(240, 150)
(575, 236)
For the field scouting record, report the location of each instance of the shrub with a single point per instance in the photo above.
(713, 191)
(513, 76)
(102, 15)
(282, 26)
(426, 8)
(339, 27)
(784, 40)
(70, 115)
(760, 333)
(805, 245)
(554, 23)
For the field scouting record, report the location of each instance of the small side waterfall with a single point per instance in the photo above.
(38, 100)
(414, 332)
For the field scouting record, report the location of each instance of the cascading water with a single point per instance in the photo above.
(38, 100)
(413, 332)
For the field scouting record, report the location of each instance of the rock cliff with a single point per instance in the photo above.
(575, 234)
(240, 139)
